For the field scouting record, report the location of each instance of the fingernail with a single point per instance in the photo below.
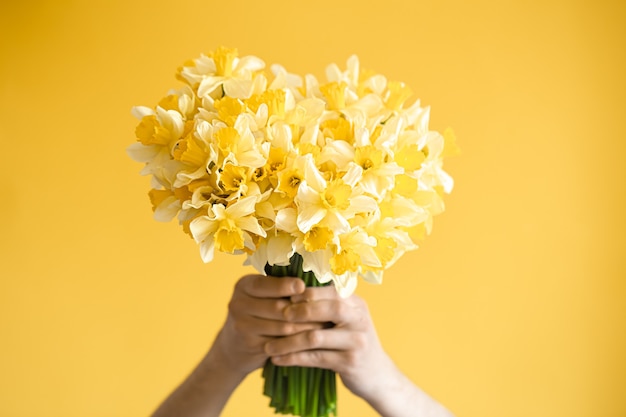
(298, 286)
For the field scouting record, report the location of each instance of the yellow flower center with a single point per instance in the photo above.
(337, 195)
(385, 249)
(259, 174)
(338, 129)
(274, 99)
(182, 194)
(227, 139)
(398, 94)
(150, 132)
(317, 238)
(223, 58)
(169, 102)
(158, 196)
(410, 157)
(232, 178)
(368, 157)
(335, 94)
(189, 151)
(228, 237)
(306, 148)
(228, 109)
(344, 261)
(289, 182)
(276, 160)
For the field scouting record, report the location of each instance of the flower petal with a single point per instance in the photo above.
(309, 216)
(280, 248)
(251, 224)
(243, 207)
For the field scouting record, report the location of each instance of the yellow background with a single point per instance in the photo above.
(514, 306)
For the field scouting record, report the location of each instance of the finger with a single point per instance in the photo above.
(273, 328)
(317, 339)
(261, 286)
(264, 308)
(328, 292)
(335, 360)
(338, 311)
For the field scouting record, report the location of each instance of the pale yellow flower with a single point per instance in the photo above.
(238, 145)
(330, 203)
(227, 229)
(379, 171)
(236, 76)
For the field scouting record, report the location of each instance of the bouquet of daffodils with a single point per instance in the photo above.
(329, 181)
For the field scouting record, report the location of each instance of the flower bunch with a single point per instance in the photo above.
(341, 172)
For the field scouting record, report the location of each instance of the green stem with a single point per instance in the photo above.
(304, 392)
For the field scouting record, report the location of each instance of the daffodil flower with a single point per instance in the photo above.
(227, 228)
(330, 203)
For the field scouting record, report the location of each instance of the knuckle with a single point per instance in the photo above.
(314, 338)
(359, 341)
(285, 329)
(351, 359)
(278, 307)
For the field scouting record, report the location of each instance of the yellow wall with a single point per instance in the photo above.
(514, 306)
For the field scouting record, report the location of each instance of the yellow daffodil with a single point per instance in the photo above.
(226, 229)
(237, 77)
(238, 144)
(162, 127)
(330, 203)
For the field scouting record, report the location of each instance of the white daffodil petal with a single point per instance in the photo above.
(238, 88)
(373, 277)
(250, 63)
(142, 153)
(307, 195)
(140, 112)
(202, 228)
(251, 224)
(345, 284)
(243, 207)
(313, 176)
(258, 258)
(318, 262)
(168, 209)
(280, 249)
(363, 204)
(309, 217)
(336, 222)
(208, 85)
(286, 220)
(207, 249)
